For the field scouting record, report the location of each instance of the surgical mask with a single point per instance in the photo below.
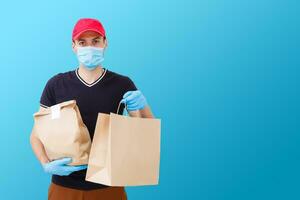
(90, 57)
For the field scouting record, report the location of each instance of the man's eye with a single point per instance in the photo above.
(81, 43)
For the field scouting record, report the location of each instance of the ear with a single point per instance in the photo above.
(74, 47)
(105, 43)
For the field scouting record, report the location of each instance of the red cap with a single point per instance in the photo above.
(87, 24)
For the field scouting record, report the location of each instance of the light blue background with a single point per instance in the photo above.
(223, 75)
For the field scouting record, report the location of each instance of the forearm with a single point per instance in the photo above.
(38, 149)
(144, 113)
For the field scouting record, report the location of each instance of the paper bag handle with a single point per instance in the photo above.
(120, 105)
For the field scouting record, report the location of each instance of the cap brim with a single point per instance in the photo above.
(85, 30)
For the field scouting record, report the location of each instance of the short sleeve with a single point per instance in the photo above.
(130, 85)
(48, 97)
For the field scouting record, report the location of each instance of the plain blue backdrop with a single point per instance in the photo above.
(223, 75)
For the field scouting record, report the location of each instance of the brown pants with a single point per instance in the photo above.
(57, 192)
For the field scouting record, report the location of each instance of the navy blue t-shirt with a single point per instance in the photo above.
(103, 95)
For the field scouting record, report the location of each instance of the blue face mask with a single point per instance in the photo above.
(90, 57)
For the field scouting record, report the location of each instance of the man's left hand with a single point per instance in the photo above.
(134, 100)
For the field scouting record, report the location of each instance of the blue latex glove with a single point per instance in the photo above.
(60, 167)
(134, 100)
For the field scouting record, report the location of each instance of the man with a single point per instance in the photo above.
(95, 89)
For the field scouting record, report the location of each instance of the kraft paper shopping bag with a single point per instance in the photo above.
(61, 130)
(125, 151)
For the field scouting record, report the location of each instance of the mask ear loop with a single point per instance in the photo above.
(120, 105)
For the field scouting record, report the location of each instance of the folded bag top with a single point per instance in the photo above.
(46, 111)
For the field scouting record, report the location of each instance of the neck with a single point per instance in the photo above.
(90, 76)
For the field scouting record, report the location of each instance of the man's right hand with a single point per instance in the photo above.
(60, 167)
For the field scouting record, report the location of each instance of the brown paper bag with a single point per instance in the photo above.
(125, 151)
(63, 133)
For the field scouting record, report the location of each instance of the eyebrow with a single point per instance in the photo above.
(98, 37)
